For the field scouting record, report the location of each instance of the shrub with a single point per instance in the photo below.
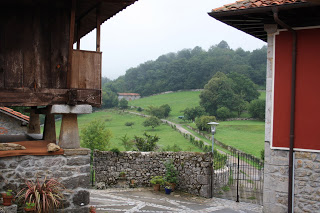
(123, 104)
(147, 144)
(96, 136)
(152, 121)
(174, 148)
(262, 154)
(257, 109)
(201, 144)
(126, 142)
(129, 124)
(139, 109)
(115, 150)
(202, 122)
(223, 113)
(171, 172)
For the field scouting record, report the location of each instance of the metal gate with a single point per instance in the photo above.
(238, 176)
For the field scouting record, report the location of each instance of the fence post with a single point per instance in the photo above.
(238, 178)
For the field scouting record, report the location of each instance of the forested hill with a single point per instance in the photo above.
(191, 69)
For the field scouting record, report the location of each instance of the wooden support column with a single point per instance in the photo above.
(78, 34)
(34, 122)
(71, 39)
(98, 20)
(49, 132)
(69, 132)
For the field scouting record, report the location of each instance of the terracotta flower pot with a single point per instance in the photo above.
(30, 210)
(156, 187)
(173, 186)
(7, 199)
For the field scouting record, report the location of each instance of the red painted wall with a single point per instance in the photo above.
(307, 128)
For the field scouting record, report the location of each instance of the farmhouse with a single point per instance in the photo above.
(128, 96)
(39, 68)
(292, 30)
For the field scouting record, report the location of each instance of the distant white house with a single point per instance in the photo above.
(129, 96)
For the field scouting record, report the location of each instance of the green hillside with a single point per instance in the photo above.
(115, 121)
(177, 101)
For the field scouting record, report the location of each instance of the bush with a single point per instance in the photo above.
(223, 113)
(202, 122)
(139, 109)
(174, 148)
(171, 172)
(147, 144)
(257, 109)
(262, 154)
(126, 142)
(152, 121)
(115, 150)
(129, 124)
(123, 104)
(96, 136)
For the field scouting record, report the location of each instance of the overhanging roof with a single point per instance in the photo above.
(86, 12)
(250, 16)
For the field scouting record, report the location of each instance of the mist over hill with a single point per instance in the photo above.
(190, 69)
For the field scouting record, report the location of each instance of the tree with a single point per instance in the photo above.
(257, 109)
(244, 87)
(109, 98)
(217, 93)
(202, 122)
(166, 110)
(123, 104)
(193, 113)
(239, 104)
(223, 45)
(129, 124)
(96, 136)
(152, 121)
(126, 143)
(223, 113)
(146, 144)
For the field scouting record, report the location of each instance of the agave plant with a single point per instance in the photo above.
(46, 194)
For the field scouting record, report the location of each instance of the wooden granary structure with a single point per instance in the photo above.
(40, 67)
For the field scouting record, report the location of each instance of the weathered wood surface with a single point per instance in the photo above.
(86, 69)
(44, 97)
(34, 46)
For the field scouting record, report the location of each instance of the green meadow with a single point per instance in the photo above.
(115, 121)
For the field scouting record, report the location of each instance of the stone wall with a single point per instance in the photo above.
(194, 169)
(72, 168)
(306, 181)
(11, 126)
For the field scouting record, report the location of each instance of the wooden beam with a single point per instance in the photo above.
(71, 37)
(45, 97)
(98, 21)
(49, 132)
(34, 122)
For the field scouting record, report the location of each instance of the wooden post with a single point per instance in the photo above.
(98, 20)
(78, 34)
(34, 122)
(49, 132)
(71, 37)
(69, 133)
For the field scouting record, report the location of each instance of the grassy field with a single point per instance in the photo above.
(247, 136)
(177, 101)
(115, 121)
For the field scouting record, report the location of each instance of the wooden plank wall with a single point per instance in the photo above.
(86, 70)
(34, 46)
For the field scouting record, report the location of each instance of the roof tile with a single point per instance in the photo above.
(246, 4)
(15, 113)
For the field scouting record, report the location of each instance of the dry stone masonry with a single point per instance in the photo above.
(194, 169)
(73, 169)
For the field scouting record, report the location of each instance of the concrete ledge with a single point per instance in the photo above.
(67, 109)
(80, 151)
(9, 209)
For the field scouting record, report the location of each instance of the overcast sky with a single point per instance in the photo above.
(150, 28)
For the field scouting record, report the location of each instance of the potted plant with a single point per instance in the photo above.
(46, 194)
(168, 189)
(171, 174)
(122, 174)
(157, 181)
(30, 207)
(7, 197)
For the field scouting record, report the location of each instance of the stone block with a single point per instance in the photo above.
(67, 109)
(81, 198)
